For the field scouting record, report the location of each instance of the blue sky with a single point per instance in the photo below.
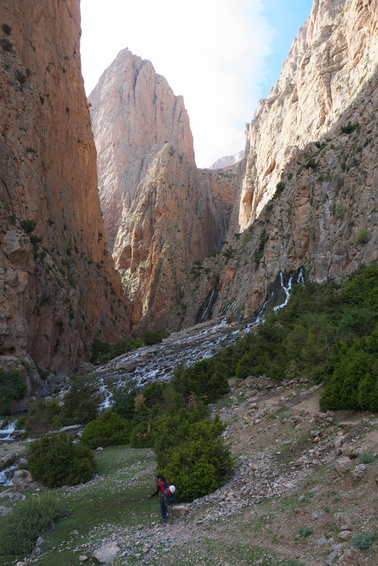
(221, 55)
(285, 17)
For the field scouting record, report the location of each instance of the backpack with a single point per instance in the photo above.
(169, 491)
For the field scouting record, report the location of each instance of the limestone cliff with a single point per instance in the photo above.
(332, 57)
(310, 189)
(58, 286)
(162, 215)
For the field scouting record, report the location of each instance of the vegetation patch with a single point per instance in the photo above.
(55, 460)
(29, 520)
(12, 387)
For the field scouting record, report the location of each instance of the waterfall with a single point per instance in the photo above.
(294, 278)
(7, 429)
(205, 311)
(6, 475)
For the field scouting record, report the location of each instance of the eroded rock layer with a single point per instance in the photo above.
(334, 54)
(162, 215)
(58, 286)
(310, 191)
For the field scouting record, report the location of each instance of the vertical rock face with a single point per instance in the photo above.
(313, 147)
(334, 54)
(162, 215)
(58, 286)
(134, 113)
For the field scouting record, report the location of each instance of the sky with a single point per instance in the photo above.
(222, 56)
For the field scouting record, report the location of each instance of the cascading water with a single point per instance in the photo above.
(6, 476)
(205, 311)
(6, 430)
(157, 363)
(293, 278)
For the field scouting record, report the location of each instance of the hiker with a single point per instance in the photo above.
(162, 486)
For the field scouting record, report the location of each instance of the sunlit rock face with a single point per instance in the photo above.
(334, 55)
(162, 215)
(58, 286)
(312, 145)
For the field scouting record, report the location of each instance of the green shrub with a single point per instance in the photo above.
(304, 532)
(55, 460)
(263, 353)
(41, 418)
(355, 321)
(155, 395)
(354, 382)
(6, 44)
(109, 429)
(21, 78)
(198, 468)
(362, 287)
(173, 430)
(81, 403)
(361, 238)
(29, 520)
(102, 352)
(367, 458)
(259, 253)
(28, 226)
(308, 344)
(349, 128)
(6, 29)
(151, 337)
(205, 378)
(365, 540)
(280, 187)
(125, 345)
(11, 387)
(141, 435)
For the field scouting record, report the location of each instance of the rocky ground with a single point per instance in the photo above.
(301, 487)
(305, 487)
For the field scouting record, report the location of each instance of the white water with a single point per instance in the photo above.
(157, 363)
(6, 476)
(7, 431)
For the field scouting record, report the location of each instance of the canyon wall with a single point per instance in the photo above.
(58, 286)
(333, 55)
(307, 184)
(162, 215)
(310, 190)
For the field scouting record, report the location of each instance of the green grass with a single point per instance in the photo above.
(117, 498)
(211, 552)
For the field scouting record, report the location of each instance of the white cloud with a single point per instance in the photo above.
(210, 51)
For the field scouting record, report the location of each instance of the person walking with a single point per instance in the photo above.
(162, 487)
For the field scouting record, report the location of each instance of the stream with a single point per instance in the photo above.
(157, 363)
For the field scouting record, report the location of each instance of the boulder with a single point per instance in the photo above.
(23, 480)
(107, 553)
(342, 465)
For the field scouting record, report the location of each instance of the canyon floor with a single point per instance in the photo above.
(304, 493)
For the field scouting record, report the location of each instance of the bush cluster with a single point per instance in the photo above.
(11, 387)
(81, 405)
(109, 429)
(54, 460)
(327, 333)
(103, 353)
(173, 419)
(29, 520)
